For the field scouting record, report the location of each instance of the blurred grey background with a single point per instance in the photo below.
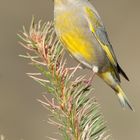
(21, 116)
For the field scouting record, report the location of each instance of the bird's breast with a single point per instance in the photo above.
(74, 37)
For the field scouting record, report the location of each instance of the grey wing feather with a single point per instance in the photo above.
(103, 37)
(102, 34)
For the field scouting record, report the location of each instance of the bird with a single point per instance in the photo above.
(81, 31)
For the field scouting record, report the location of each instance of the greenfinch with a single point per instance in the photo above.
(82, 32)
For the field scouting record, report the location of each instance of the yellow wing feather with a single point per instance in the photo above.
(94, 23)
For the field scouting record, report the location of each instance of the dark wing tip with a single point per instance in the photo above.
(122, 72)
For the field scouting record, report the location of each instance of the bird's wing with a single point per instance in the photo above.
(98, 29)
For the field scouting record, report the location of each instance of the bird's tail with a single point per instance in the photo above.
(123, 98)
(112, 81)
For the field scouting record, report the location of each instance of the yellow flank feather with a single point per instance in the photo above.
(78, 46)
(74, 39)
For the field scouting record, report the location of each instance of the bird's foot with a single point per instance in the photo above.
(90, 80)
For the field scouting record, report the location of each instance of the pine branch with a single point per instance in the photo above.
(73, 111)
